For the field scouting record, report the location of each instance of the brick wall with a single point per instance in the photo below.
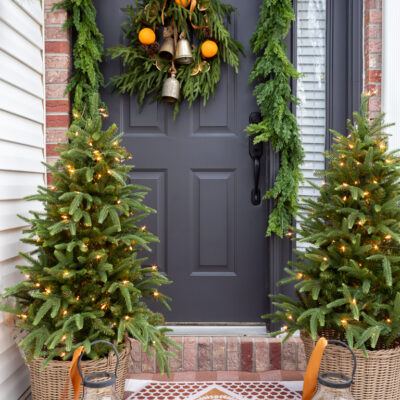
(373, 53)
(58, 67)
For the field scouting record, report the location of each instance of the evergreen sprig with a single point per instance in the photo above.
(272, 73)
(85, 279)
(88, 51)
(145, 74)
(348, 279)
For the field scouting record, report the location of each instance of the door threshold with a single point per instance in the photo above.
(217, 330)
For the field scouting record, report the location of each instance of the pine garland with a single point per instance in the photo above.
(88, 52)
(145, 72)
(272, 72)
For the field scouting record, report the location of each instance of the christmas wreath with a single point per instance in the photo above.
(174, 50)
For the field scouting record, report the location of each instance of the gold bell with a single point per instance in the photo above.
(167, 49)
(183, 54)
(171, 89)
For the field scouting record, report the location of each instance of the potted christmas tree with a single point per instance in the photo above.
(84, 279)
(348, 279)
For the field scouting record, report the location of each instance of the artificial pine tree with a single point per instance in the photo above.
(348, 279)
(85, 280)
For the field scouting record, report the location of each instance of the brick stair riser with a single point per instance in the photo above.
(251, 354)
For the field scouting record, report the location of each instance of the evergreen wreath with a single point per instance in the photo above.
(199, 21)
(273, 72)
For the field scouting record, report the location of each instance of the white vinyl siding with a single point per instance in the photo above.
(311, 57)
(22, 149)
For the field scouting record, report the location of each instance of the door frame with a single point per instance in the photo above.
(344, 79)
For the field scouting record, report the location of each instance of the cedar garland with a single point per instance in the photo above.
(88, 52)
(272, 72)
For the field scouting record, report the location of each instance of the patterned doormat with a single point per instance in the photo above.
(153, 390)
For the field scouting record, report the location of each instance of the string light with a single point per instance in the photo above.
(382, 146)
(115, 143)
(388, 161)
(38, 239)
(290, 317)
(156, 294)
(289, 234)
(27, 276)
(47, 291)
(93, 299)
(76, 133)
(351, 146)
(344, 198)
(356, 182)
(62, 355)
(154, 268)
(366, 194)
(66, 273)
(65, 312)
(37, 284)
(117, 159)
(103, 306)
(75, 114)
(109, 171)
(388, 237)
(376, 247)
(354, 301)
(23, 316)
(119, 202)
(127, 317)
(358, 163)
(343, 248)
(77, 298)
(63, 338)
(99, 176)
(323, 183)
(98, 256)
(375, 181)
(342, 164)
(143, 228)
(284, 328)
(125, 282)
(360, 223)
(345, 184)
(389, 321)
(299, 276)
(343, 322)
(114, 324)
(130, 248)
(325, 259)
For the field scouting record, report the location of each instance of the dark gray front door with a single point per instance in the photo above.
(212, 241)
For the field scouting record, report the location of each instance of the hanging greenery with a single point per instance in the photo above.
(272, 73)
(158, 36)
(86, 79)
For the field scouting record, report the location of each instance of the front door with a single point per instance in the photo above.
(212, 243)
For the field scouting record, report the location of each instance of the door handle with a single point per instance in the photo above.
(256, 152)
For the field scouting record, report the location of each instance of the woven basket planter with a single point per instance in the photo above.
(48, 384)
(377, 377)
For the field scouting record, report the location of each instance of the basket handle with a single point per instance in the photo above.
(339, 342)
(95, 342)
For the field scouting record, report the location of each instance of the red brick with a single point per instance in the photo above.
(373, 46)
(57, 106)
(275, 354)
(55, 32)
(49, 179)
(48, 4)
(54, 76)
(135, 364)
(373, 76)
(60, 121)
(373, 17)
(218, 354)
(377, 88)
(56, 136)
(58, 62)
(56, 91)
(60, 46)
(370, 32)
(148, 362)
(175, 364)
(51, 150)
(246, 347)
(189, 354)
(373, 61)
(204, 361)
(233, 352)
(262, 354)
(56, 17)
(374, 104)
(289, 355)
(370, 4)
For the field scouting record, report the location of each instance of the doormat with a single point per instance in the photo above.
(154, 390)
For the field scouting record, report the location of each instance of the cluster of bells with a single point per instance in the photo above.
(181, 55)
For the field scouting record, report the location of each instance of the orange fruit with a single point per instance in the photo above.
(147, 36)
(183, 3)
(209, 49)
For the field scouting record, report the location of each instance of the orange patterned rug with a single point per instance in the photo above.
(252, 390)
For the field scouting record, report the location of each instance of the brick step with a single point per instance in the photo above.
(216, 353)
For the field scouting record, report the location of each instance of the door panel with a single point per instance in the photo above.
(212, 241)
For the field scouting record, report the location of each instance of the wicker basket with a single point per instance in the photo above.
(377, 377)
(48, 384)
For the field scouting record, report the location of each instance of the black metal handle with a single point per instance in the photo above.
(256, 152)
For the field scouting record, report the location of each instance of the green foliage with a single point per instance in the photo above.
(272, 73)
(145, 73)
(87, 51)
(85, 280)
(348, 279)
